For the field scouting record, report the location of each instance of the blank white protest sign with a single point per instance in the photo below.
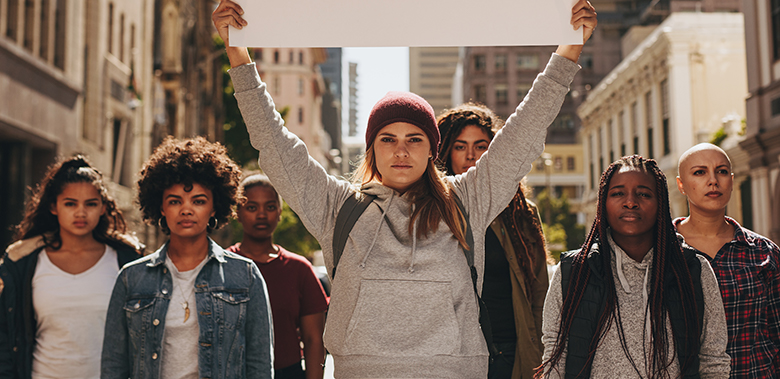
(379, 23)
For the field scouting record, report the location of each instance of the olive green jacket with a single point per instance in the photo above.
(528, 312)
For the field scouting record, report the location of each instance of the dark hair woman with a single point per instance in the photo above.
(516, 280)
(57, 276)
(633, 302)
(190, 309)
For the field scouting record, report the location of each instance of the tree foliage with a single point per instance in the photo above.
(563, 232)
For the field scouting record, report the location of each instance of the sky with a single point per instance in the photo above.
(380, 69)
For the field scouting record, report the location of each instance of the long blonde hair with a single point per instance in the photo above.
(431, 197)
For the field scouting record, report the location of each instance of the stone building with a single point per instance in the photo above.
(678, 87)
(761, 145)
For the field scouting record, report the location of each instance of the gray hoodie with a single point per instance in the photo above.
(631, 283)
(401, 306)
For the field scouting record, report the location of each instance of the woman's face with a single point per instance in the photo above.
(187, 213)
(261, 213)
(706, 179)
(632, 205)
(468, 147)
(78, 209)
(402, 152)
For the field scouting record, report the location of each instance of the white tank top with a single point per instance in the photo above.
(71, 315)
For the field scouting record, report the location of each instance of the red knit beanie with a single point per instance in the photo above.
(403, 107)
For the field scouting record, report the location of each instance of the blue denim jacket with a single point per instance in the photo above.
(234, 317)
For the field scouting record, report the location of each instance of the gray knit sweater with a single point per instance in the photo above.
(631, 287)
(401, 306)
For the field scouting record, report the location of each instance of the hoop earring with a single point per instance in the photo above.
(160, 222)
(216, 223)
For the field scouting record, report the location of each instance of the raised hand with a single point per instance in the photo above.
(583, 15)
(229, 13)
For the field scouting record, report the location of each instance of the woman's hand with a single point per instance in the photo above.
(583, 14)
(229, 13)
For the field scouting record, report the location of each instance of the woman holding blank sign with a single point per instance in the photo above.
(403, 303)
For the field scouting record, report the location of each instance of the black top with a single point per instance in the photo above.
(497, 290)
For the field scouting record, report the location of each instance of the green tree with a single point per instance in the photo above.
(290, 232)
(563, 232)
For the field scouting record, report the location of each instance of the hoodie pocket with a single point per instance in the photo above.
(403, 318)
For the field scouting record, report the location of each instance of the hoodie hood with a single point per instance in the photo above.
(385, 197)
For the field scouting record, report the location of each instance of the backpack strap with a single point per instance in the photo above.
(484, 317)
(348, 215)
(351, 211)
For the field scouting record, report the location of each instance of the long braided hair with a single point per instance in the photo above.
(668, 264)
(519, 216)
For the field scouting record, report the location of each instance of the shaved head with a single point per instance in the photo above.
(696, 149)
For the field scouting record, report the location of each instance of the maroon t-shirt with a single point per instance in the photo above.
(293, 291)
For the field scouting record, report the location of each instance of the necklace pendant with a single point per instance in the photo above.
(186, 307)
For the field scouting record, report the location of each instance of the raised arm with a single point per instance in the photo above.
(300, 180)
(521, 141)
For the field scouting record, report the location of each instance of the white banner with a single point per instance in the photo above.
(376, 23)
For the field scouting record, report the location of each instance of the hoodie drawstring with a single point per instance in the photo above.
(376, 232)
(414, 242)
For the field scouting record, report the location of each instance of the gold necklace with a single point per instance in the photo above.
(185, 304)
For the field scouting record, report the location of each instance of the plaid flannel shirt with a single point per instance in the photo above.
(748, 272)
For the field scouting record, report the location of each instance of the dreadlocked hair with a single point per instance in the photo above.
(668, 265)
(39, 221)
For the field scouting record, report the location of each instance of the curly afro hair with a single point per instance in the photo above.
(186, 162)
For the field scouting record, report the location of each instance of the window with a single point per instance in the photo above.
(111, 28)
(775, 28)
(558, 163)
(43, 50)
(300, 57)
(665, 117)
(502, 95)
(528, 62)
(480, 93)
(522, 90)
(276, 56)
(635, 125)
(132, 42)
(29, 23)
(649, 120)
(122, 37)
(59, 35)
(300, 115)
(586, 61)
(258, 55)
(300, 87)
(610, 143)
(277, 86)
(479, 62)
(12, 21)
(621, 129)
(500, 62)
(292, 57)
(570, 164)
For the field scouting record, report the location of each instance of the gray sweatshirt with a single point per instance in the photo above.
(631, 285)
(401, 306)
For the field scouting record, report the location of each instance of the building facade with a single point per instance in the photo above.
(106, 78)
(762, 135)
(296, 84)
(678, 87)
(431, 72)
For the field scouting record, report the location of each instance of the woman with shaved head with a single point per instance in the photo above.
(747, 264)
